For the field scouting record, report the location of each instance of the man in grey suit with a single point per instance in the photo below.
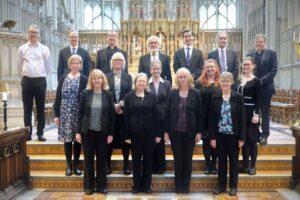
(104, 55)
(153, 43)
(65, 54)
(265, 69)
(226, 58)
(189, 57)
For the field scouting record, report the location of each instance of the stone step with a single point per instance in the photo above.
(58, 163)
(55, 148)
(264, 180)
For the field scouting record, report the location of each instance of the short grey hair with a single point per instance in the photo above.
(117, 55)
(155, 62)
(219, 33)
(226, 76)
(263, 36)
(153, 37)
(34, 26)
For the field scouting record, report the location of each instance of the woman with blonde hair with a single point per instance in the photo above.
(183, 125)
(65, 107)
(120, 83)
(95, 129)
(140, 130)
(208, 84)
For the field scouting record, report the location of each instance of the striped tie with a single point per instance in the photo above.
(188, 56)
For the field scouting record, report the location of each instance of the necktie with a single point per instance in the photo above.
(73, 51)
(222, 61)
(188, 56)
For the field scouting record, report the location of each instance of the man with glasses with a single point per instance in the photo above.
(34, 60)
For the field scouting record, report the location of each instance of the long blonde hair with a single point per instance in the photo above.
(99, 73)
(188, 74)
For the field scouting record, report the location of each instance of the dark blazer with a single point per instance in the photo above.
(267, 70)
(107, 114)
(161, 97)
(65, 54)
(58, 96)
(104, 65)
(144, 66)
(193, 112)
(126, 85)
(237, 115)
(196, 64)
(232, 61)
(140, 115)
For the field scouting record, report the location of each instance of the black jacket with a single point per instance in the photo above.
(126, 85)
(58, 96)
(237, 115)
(107, 114)
(140, 115)
(193, 112)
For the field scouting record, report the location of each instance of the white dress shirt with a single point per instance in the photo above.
(34, 59)
(191, 50)
(219, 51)
(76, 48)
(154, 57)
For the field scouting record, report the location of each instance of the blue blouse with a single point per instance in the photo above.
(225, 124)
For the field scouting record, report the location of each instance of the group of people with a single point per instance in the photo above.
(101, 110)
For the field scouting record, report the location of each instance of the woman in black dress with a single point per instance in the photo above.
(95, 129)
(120, 83)
(250, 87)
(227, 130)
(140, 130)
(183, 126)
(160, 88)
(208, 84)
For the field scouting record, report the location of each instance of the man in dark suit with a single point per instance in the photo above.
(153, 43)
(226, 58)
(65, 54)
(265, 70)
(104, 55)
(188, 56)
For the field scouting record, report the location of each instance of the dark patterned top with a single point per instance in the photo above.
(69, 109)
(181, 121)
(225, 124)
(96, 112)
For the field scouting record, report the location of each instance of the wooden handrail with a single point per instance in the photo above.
(14, 163)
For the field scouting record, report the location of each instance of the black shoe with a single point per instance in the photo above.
(244, 170)
(126, 172)
(219, 190)
(88, 191)
(206, 171)
(147, 191)
(29, 138)
(41, 139)
(252, 171)
(232, 192)
(77, 172)
(214, 171)
(160, 171)
(134, 191)
(102, 191)
(68, 170)
(263, 141)
(108, 171)
(185, 190)
(178, 190)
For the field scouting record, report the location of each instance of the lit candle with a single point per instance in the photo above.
(4, 96)
(294, 37)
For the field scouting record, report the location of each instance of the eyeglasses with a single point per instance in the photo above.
(33, 32)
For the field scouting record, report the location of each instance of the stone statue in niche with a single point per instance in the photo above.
(137, 45)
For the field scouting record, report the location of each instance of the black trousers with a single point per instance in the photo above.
(34, 89)
(227, 146)
(142, 154)
(210, 155)
(118, 143)
(250, 146)
(183, 149)
(95, 142)
(265, 115)
(159, 157)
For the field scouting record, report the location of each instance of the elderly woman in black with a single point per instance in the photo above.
(65, 107)
(250, 87)
(120, 83)
(160, 88)
(140, 130)
(208, 84)
(227, 128)
(183, 126)
(95, 128)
